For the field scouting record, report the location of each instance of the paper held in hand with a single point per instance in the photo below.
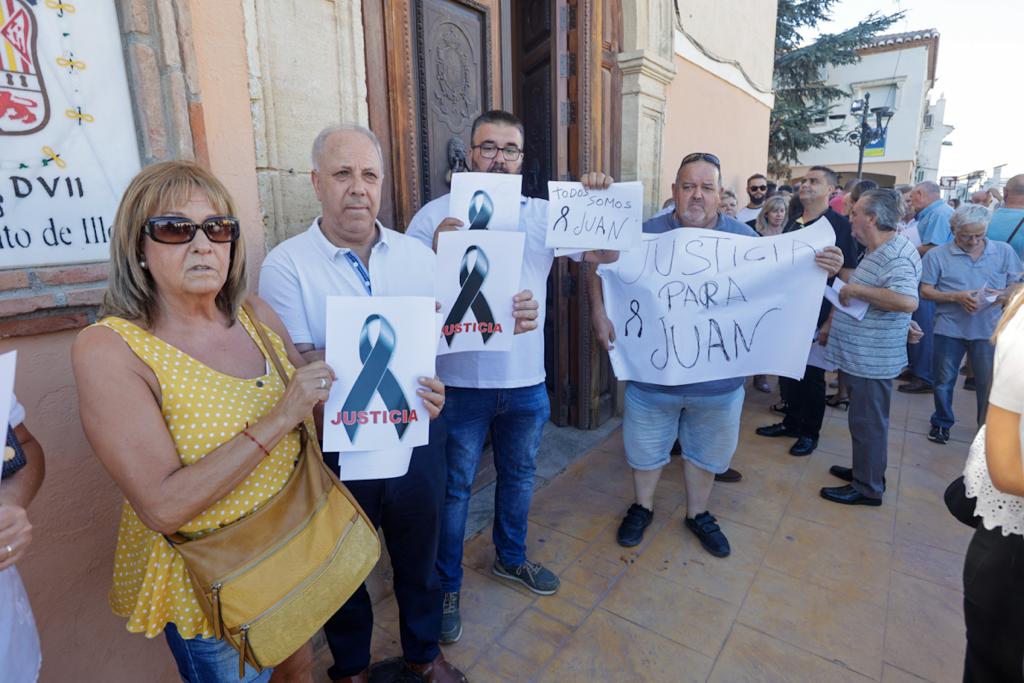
(486, 201)
(478, 272)
(378, 347)
(581, 219)
(8, 362)
(693, 305)
(857, 308)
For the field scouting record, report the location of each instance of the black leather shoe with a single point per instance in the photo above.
(631, 530)
(730, 476)
(916, 387)
(846, 473)
(805, 445)
(777, 429)
(847, 495)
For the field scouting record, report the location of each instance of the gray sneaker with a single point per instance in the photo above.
(532, 575)
(451, 622)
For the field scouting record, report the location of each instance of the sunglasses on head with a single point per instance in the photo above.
(701, 156)
(178, 230)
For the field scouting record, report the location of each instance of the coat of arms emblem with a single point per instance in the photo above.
(24, 107)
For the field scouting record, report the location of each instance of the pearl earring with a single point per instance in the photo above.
(143, 264)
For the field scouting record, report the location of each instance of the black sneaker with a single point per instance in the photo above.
(451, 622)
(631, 531)
(939, 435)
(705, 527)
(532, 575)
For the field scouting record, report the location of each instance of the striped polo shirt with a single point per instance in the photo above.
(876, 347)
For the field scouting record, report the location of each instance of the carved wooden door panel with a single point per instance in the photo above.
(432, 67)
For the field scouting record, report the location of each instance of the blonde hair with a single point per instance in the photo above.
(1016, 301)
(131, 292)
(769, 206)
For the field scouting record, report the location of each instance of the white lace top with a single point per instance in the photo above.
(995, 507)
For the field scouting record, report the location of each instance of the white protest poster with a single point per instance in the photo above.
(478, 272)
(378, 347)
(67, 136)
(8, 363)
(486, 200)
(693, 305)
(580, 218)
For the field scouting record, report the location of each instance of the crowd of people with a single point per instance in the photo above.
(181, 403)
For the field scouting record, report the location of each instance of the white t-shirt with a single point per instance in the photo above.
(300, 273)
(747, 214)
(523, 366)
(998, 509)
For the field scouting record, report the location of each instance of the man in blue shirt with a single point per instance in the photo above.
(964, 278)
(1007, 224)
(933, 216)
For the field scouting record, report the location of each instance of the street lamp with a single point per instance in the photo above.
(865, 134)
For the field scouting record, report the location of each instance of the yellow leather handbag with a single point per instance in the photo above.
(269, 581)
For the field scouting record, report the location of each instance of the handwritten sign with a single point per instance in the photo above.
(486, 201)
(478, 273)
(580, 218)
(693, 305)
(67, 136)
(379, 347)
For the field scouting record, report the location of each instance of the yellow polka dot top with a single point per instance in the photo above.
(203, 409)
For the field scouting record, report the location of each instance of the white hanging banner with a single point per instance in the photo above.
(67, 137)
(693, 305)
(486, 201)
(581, 218)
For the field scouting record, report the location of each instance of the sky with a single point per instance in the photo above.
(977, 70)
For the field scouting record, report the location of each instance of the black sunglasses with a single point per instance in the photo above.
(178, 230)
(702, 156)
(758, 188)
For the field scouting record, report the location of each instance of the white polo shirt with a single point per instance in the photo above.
(523, 366)
(298, 275)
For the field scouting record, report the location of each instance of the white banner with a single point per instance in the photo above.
(478, 273)
(581, 219)
(67, 136)
(378, 347)
(486, 200)
(694, 305)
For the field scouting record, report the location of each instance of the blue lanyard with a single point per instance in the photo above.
(357, 266)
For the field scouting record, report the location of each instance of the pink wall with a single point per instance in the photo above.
(706, 114)
(68, 570)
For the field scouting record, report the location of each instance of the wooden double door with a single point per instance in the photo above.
(434, 65)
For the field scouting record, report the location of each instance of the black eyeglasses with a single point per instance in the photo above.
(489, 150)
(178, 230)
(702, 156)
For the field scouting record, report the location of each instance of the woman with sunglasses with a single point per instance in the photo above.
(181, 403)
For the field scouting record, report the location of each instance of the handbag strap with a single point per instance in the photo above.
(1014, 233)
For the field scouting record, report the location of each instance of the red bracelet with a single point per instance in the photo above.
(255, 441)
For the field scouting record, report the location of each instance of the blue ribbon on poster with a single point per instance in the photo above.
(481, 208)
(470, 296)
(375, 376)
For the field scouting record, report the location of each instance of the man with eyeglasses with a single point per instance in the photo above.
(757, 191)
(705, 416)
(498, 393)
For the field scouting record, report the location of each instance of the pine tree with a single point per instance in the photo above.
(801, 96)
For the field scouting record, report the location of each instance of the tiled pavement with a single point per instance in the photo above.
(813, 591)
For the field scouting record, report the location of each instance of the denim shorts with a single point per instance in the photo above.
(208, 660)
(707, 427)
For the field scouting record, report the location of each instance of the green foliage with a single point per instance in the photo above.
(801, 96)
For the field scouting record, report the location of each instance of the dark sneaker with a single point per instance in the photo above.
(939, 435)
(969, 384)
(532, 575)
(705, 527)
(730, 476)
(631, 531)
(451, 622)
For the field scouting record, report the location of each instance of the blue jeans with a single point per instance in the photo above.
(949, 353)
(515, 418)
(208, 660)
(920, 355)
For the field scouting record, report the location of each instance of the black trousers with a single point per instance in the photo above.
(994, 607)
(408, 511)
(806, 398)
